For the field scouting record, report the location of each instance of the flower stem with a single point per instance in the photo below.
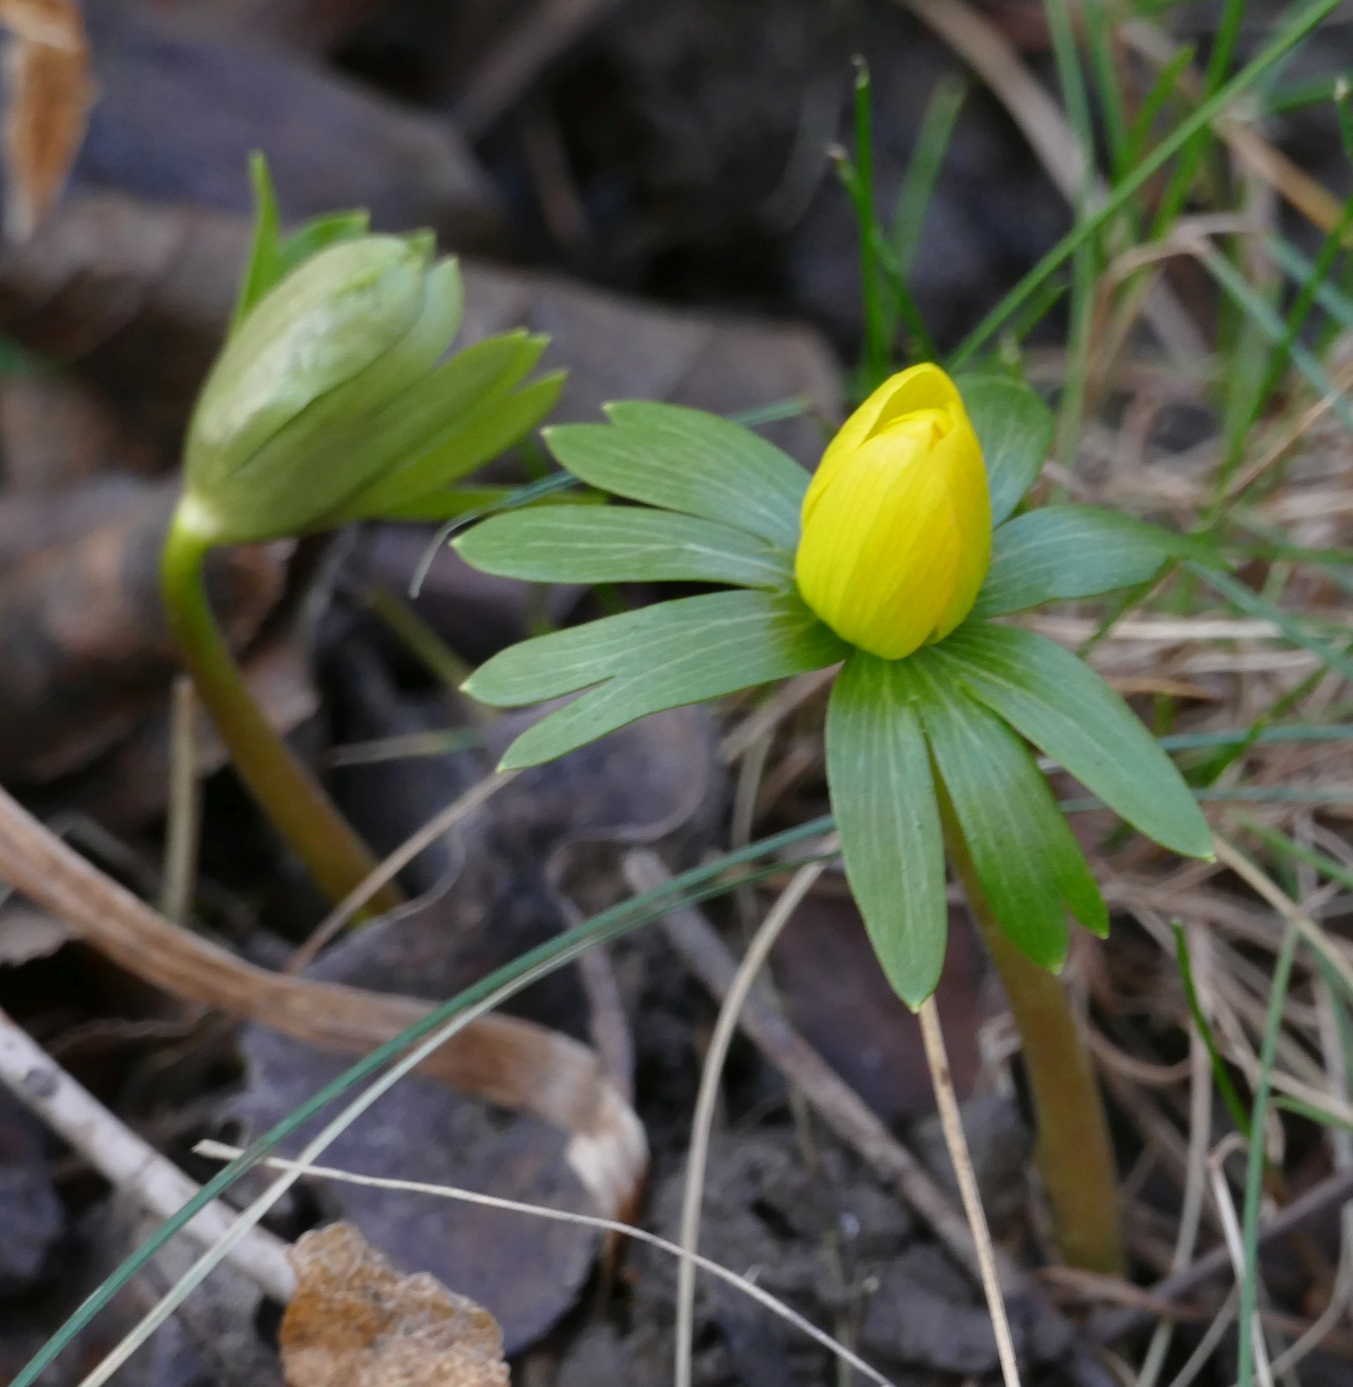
(1075, 1154)
(285, 790)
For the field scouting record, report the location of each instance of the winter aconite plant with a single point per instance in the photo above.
(331, 402)
(899, 561)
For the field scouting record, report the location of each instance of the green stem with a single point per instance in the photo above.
(1075, 1154)
(298, 808)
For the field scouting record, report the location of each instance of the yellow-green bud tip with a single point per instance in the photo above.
(897, 521)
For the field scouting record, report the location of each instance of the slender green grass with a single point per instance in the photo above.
(1193, 151)
(1085, 258)
(1298, 852)
(1240, 1114)
(1153, 105)
(1292, 33)
(1261, 313)
(886, 293)
(923, 169)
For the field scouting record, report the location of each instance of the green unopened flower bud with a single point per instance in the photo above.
(290, 421)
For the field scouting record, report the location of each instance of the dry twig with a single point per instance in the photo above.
(127, 1162)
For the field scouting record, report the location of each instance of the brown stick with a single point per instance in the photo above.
(508, 1061)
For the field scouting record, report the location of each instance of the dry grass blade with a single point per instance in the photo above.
(184, 827)
(952, 1123)
(49, 90)
(839, 1106)
(1234, 1245)
(436, 827)
(1312, 199)
(505, 1060)
(220, 1151)
(711, 1080)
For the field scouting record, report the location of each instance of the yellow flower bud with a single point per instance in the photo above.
(897, 521)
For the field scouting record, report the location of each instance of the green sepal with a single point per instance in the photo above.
(271, 255)
(685, 651)
(461, 416)
(618, 544)
(1060, 553)
(1026, 856)
(1015, 429)
(1063, 707)
(884, 800)
(318, 360)
(686, 460)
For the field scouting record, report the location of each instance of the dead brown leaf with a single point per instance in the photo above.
(504, 1059)
(356, 1322)
(50, 91)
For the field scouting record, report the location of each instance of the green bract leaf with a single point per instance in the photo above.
(280, 434)
(617, 544)
(1015, 429)
(1026, 856)
(263, 268)
(471, 431)
(686, 460)
(1065, 552)
(884, 800)
(660, 657)
(1061, 705)
(271, 256)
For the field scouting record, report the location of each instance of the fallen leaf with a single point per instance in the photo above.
(48, 93)
(26, 934)
(356, 1322)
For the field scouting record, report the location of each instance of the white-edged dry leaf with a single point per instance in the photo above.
(49, 90)
(356, 1322)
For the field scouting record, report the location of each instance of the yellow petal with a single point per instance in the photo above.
(919, 387)
(897, 522)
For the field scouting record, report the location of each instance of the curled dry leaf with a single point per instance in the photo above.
(49, 93)
(508, 1061)
(355, 1322)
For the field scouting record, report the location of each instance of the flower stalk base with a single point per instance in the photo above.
(1074, 1153)
(297, 806)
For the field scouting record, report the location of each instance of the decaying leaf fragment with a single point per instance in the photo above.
(356, 1322)
(50, 91)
